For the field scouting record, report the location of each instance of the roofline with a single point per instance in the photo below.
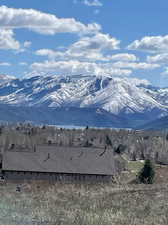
(62, 173)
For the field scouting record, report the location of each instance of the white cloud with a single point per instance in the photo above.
(165, 72)
(160, 58)
(92, 48)
(76, 67)
(123, 57)
(86, 49)
(48, 52)
(133, 65)
(90, 55)
(27, 44)
(43, 23)
(24, 47)
(92, 3)
(137, 81)
(23, 64)
(151, 44)
(96, 3)
(99, 41)
(7, 40)
(5, 64)
(82, 56)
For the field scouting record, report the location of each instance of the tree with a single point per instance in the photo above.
(87, 144)
(108, 141)
(147, 173)
(87, 127)
(120, 149)
(167, 137)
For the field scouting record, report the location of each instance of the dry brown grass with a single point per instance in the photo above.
(83, 204)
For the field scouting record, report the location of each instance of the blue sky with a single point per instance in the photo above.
(115, 37)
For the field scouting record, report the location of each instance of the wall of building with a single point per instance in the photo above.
(14, 175)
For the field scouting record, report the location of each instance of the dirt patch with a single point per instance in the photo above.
(161, 174)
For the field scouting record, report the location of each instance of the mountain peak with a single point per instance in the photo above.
(120, 96)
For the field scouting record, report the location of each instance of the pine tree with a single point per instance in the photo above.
(108, 141)
(147, 173)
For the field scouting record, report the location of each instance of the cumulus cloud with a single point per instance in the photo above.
(150, 44)
(123, 57)
(7, 40)
(43, 23)
(133, 65)
(82, 56)
(99, 41)
(93, 48)
(86, 49)
(76, 67)
(49, 53)
(87, 56)
(159, 58)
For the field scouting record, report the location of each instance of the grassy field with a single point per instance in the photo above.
(41, 203)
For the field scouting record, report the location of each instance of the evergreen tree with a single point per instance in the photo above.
(120, 149)
(108, 141)
(147, 173)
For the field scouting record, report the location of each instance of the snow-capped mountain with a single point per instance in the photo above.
(111, 94)
(120, 96)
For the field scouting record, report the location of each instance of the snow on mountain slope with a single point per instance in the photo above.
(114, 95)
(159, 94)
(5, 78)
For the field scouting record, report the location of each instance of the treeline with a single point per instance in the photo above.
(136, 145)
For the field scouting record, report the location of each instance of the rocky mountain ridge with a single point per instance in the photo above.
(130, 99)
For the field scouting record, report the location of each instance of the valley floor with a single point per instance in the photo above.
(41, 203)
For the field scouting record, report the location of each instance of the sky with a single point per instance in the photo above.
(125, 38)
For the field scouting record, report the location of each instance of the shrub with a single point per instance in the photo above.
(120, 149)
(147, 173)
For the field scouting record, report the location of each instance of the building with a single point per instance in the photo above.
(60, 163)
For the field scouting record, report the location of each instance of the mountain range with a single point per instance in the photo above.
(82, 100)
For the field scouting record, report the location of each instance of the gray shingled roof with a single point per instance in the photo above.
(61, 160)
